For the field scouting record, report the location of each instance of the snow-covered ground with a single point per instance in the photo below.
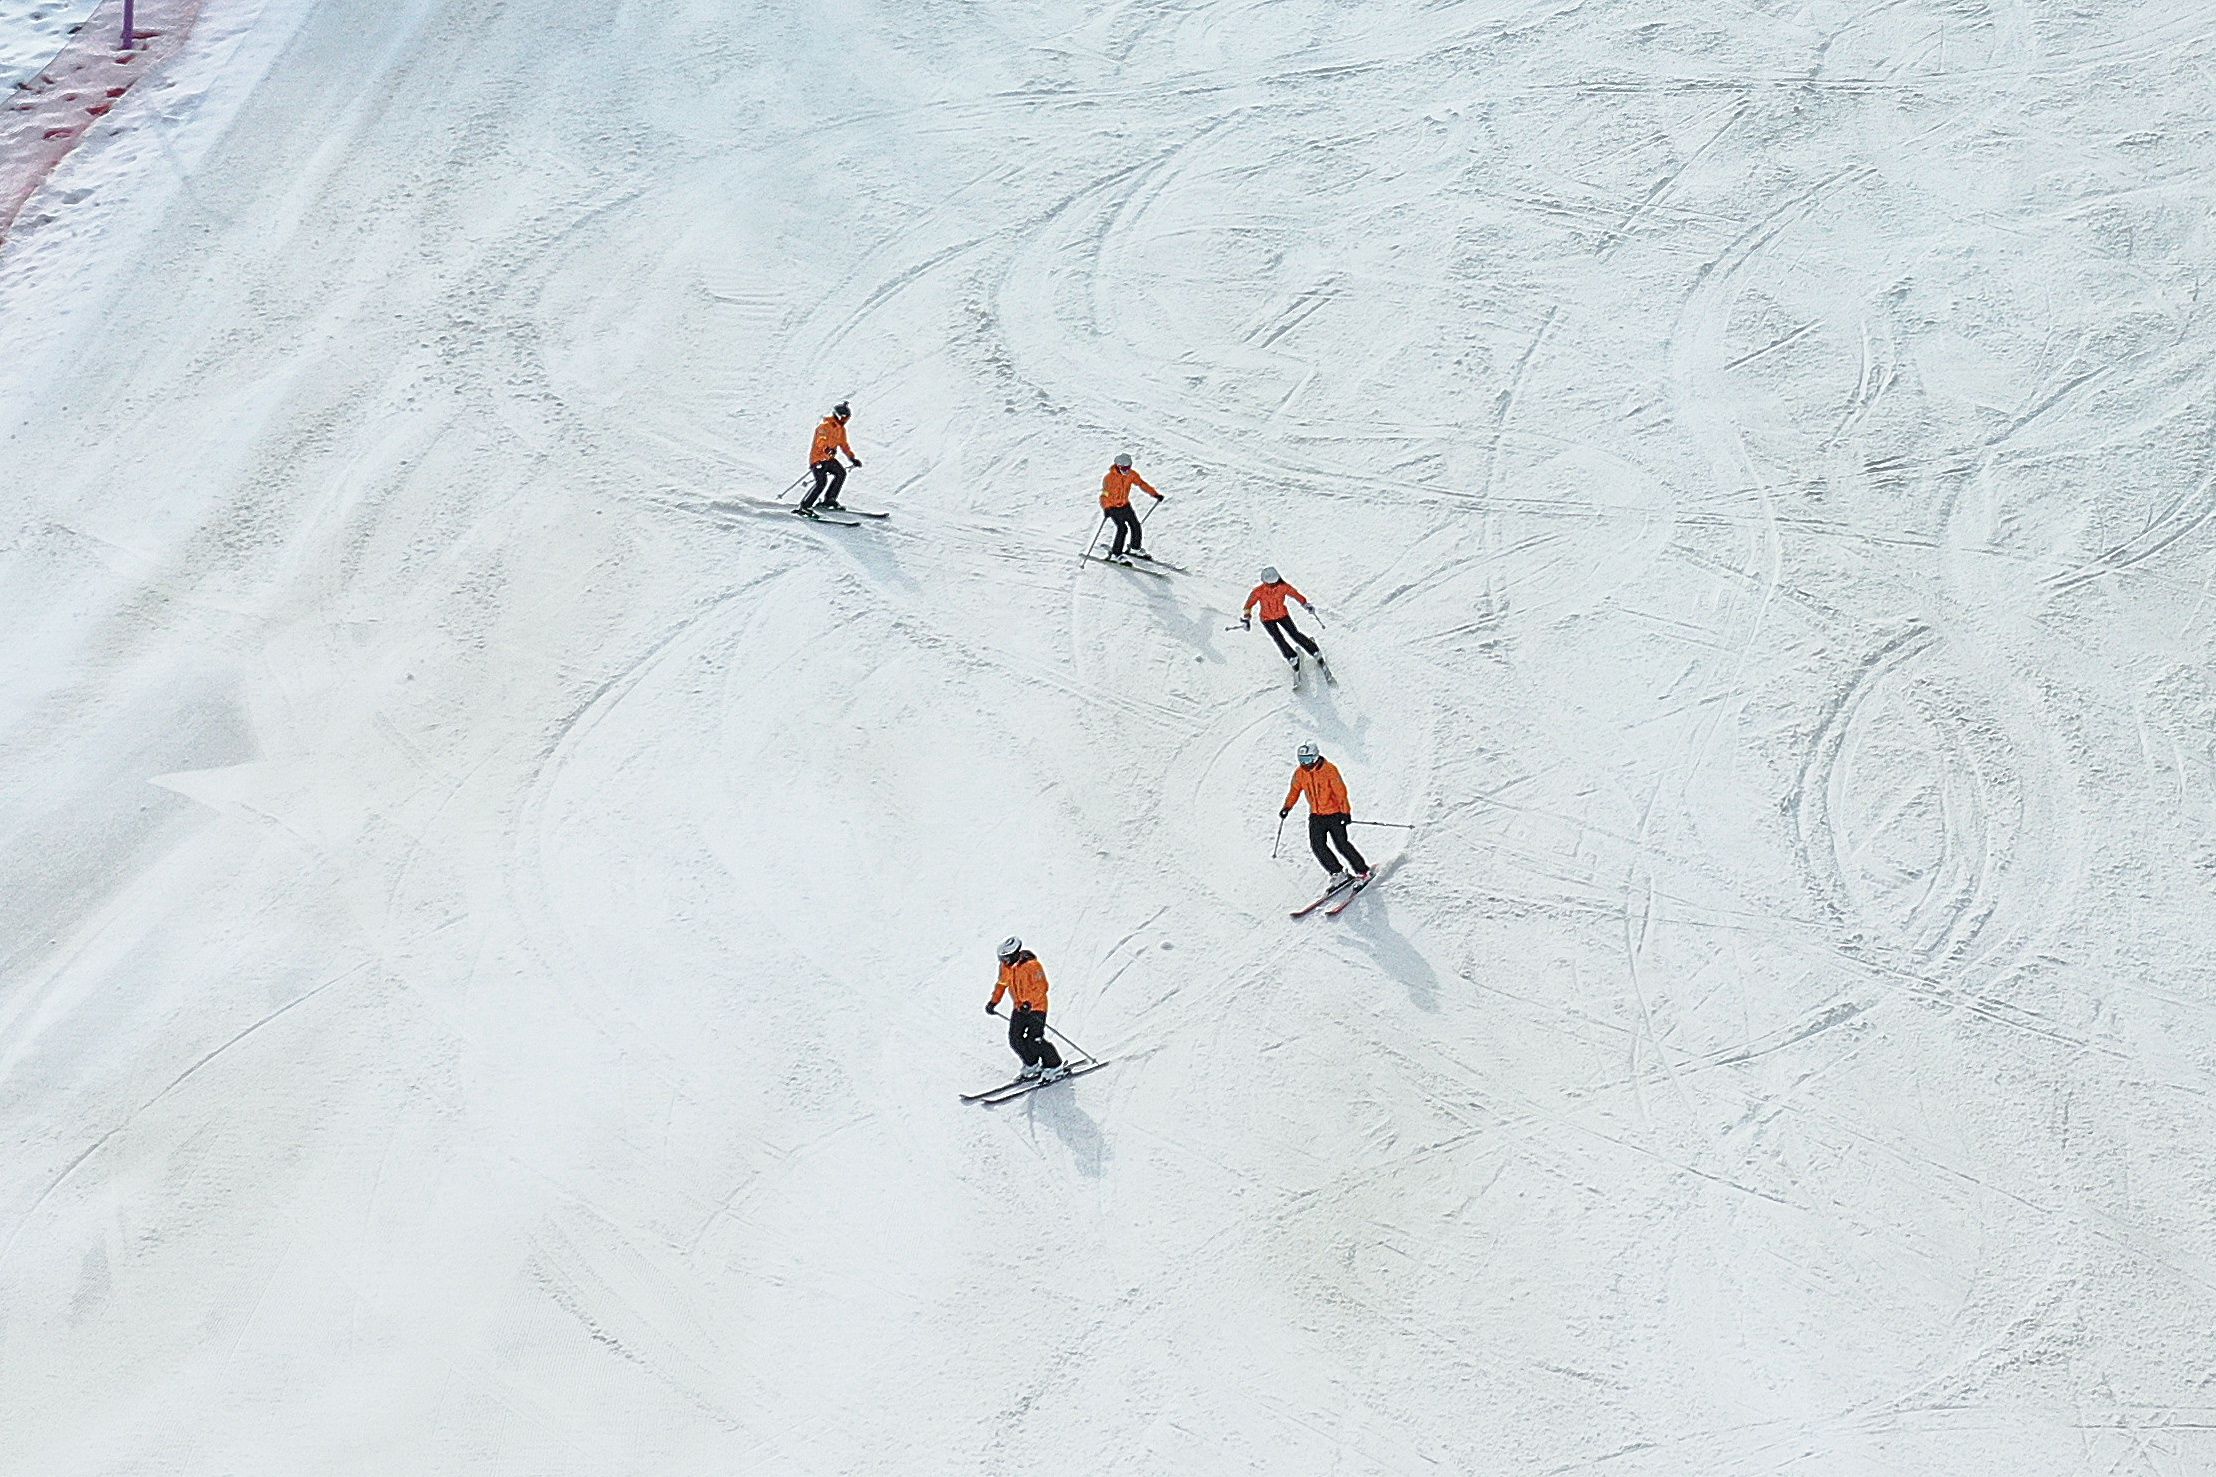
(496, 923)
(31, 31)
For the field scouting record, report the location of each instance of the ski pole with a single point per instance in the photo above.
(1135, 538)
(1094, 542)
(1149, 513)
(1073, 1046)
(1396, 825)
(788, 492)
(1280, 836)
(993, 1010)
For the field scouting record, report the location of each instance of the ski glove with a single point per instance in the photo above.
(1246, 622)
(1288, 810)
(854, 460)
(1304, 605)
(989, 1010)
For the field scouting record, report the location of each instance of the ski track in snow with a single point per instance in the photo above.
(501, 908)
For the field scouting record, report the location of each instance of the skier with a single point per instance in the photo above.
(1115, 501)
(1329, 814)
(1271, 595)
(823, 461)
(1023, 981)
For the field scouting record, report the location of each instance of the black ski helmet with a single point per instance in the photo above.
(840, 410)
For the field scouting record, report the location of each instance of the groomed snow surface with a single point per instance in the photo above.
(31, 32)
(496, 922)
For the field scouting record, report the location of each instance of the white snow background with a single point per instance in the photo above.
(31, 32)
(494, 925)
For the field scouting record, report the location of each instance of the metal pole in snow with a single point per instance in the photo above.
(130, 28)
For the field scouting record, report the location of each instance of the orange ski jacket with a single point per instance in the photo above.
(1326, 792)
(1272, 599)
(1115, 488)
(1023, 980)
(830, 437)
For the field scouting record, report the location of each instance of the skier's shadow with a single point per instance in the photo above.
(1332, 729)
(1170, 613)
(1079, 1133)
(1374, 932)
(870, 550)
(879, 558)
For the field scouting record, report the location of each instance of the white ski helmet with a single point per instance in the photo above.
(1010, 947)
(1309, 753)
(1269, 574)
(1123, 459)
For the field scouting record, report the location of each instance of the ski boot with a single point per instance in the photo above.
(1029, 1073)
(1053, 1074)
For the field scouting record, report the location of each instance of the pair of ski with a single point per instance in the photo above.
(843, 516)
(1024, 1086)
(1345, 893)
(1143, 563)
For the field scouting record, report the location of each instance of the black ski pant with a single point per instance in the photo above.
(1280, 629)
(1027, 1038)
(1327, 831)
(830, 477)
(1127, 527)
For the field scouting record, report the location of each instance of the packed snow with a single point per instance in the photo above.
(31, 31)
(498, 910)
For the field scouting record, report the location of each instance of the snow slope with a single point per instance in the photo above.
(32, 31)
(497, 923)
